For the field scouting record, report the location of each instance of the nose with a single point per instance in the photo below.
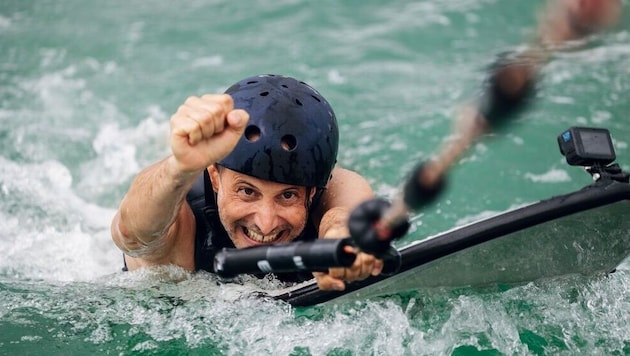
(266, 218)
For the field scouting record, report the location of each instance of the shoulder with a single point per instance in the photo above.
(346, 189)
(341, 175)
(345, 179)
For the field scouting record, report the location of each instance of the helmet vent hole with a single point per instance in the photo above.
(297, 101)
(252, 133)
(316, 98)
(252, 82)
(288, 142)
(264, 93)
(285, 86)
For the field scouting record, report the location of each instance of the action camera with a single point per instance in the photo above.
(585, 146)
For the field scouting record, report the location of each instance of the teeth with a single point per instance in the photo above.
(260, 237)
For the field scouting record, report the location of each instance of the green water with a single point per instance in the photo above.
(86, 91)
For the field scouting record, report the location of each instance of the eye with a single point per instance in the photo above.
(289, 197)
(247, 191)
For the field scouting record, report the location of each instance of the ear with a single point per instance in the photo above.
(214, 177)
(313, 191)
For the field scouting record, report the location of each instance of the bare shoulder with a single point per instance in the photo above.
(342, 176)
(346, 188)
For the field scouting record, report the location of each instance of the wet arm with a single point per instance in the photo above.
(154, 224)
(345, 191)
(152, 212)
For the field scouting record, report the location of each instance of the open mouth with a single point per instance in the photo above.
(263, 239)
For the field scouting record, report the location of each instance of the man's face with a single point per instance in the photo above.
(257, 212)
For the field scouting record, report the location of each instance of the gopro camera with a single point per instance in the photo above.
(585, 146)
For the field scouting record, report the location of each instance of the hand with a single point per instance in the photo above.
(204, 130)
(566, 20)
(364, 266)
(595, 15)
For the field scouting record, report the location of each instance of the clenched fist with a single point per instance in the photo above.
(204, 130)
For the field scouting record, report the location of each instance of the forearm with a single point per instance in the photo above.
(344, 193)
(152, 205)
(334, 223)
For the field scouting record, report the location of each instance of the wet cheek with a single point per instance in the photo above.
(296, 217)
(237, 211)
(232, 212)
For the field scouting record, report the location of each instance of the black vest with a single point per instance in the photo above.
(211, 237)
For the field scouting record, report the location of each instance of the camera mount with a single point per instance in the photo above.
(593, 149)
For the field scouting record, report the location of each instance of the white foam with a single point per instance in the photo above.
(553, 175)
(51, 234)
(335, 77)
(565, 100)
(601, 117)
(122, 152)
(211, 61)
(5, 23)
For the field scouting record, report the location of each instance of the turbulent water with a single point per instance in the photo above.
(86, 91)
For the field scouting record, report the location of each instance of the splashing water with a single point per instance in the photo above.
(86, 90)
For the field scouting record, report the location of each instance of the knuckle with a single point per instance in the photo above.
(228, 100)
(223, 100)
(322, 283)
(180, 111)
(210, 96)
(215, 110)
(191, 99)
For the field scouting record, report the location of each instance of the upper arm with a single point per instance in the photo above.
(345, 190)
(175, 247)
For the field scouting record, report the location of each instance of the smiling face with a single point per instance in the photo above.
(258, 212)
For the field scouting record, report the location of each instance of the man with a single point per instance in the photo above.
(262, 157)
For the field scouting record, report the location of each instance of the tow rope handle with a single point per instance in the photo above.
(318, 255)
(312, 256)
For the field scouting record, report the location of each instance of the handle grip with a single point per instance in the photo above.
(316, 256)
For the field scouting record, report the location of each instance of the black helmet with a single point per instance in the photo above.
(292, 135)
